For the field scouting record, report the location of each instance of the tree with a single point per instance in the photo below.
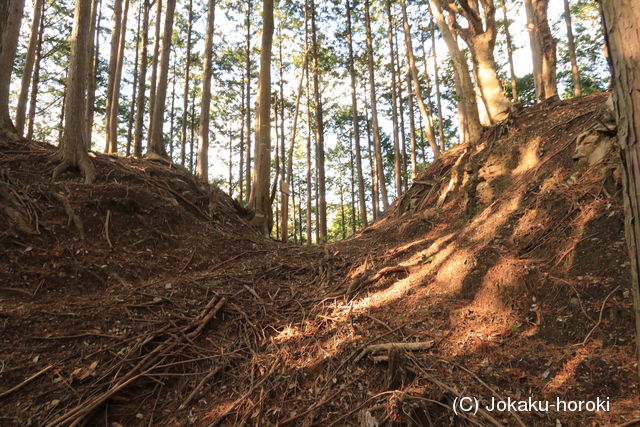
(507, 34)
(575, 72)
(319, 131)
(35, 80)
(377, 148)
(21, 110)
(142, 80)
(355, 120)
(113, 87)
(543, 49)
(72, 151)
(480, 36)
(156, 144)
(470, 119)
(431, 137)
(92, 69)
(622, 32)
(187, 76)
(203, 153)
(394, 103)
(10, 18)
(259, 199)
(154, 69)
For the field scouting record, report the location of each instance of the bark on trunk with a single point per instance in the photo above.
(355, 122)
(157, 142)
(622, 32)
(21, 110)
(203, 149)
(374, 110)
(10, 19)
(72, 149)
(259, 199)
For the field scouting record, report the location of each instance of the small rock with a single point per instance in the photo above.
(140, 416)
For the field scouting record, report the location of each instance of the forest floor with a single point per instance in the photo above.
(146, 298)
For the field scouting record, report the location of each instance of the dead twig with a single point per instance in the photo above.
(25, 382)
(584, 342)
(106, 228)
(197, 388)
(408, 346)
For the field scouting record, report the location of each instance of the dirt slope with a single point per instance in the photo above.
(510, 273)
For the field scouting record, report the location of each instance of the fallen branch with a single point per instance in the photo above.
(408, 346)
(25, 382)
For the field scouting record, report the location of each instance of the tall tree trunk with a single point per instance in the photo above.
(259, 199)
(21, 110)
(115, 105)
(35, 81)
(575, 71)
(394, 103)
(288, 184)
(372, 163)
(309, 125)
(10, 19)
(248, 100)
(203, 153)
(355, 121)
(242, 144)
(134, 86)
(319, 131)
(412, 127)
(72, 151)
(192, 133)
(157, 143)
(431, 137)
(154, 69)
(142, 82)
(436, 74)
(481, 38)
(113, 65)
(512, 72)
(470, 123)
(403, 129)
(374, 110)
(622, 33)
(173, 110)
(187, 72)
(92, 69)
(543, 49)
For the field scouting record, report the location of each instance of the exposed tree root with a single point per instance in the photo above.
(73, 218)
